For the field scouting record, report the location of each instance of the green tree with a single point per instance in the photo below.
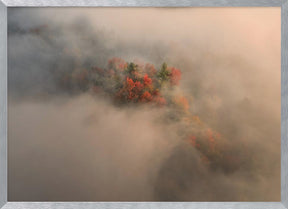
(163, 74)
(131, 67)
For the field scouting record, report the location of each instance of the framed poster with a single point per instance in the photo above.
(143, 104)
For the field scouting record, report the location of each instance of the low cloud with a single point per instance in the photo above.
(70, 144)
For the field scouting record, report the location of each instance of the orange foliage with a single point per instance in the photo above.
(175, 76)
(161, 101)
(183, 102)
(137, 83)
(146, 97)
(147, 81)
(138, 86)
(140, 82)
(197, 120)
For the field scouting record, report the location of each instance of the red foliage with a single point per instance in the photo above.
(156, 92)
(175, 76)
(136, 75)
(129, 86)
(117, 63)
(161, 101)
(147, 81)
(138, 86)
(193, 141)
(146, 97)
(130, 83)
(183, 102)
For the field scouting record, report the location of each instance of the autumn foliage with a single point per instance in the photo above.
(143, 84)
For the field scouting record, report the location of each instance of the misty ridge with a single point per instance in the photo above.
(95, 114)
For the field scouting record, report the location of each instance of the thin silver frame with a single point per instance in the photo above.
(4, 204)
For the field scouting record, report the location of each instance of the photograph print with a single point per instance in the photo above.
(144, 104)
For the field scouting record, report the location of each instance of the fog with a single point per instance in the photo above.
(70, 145)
